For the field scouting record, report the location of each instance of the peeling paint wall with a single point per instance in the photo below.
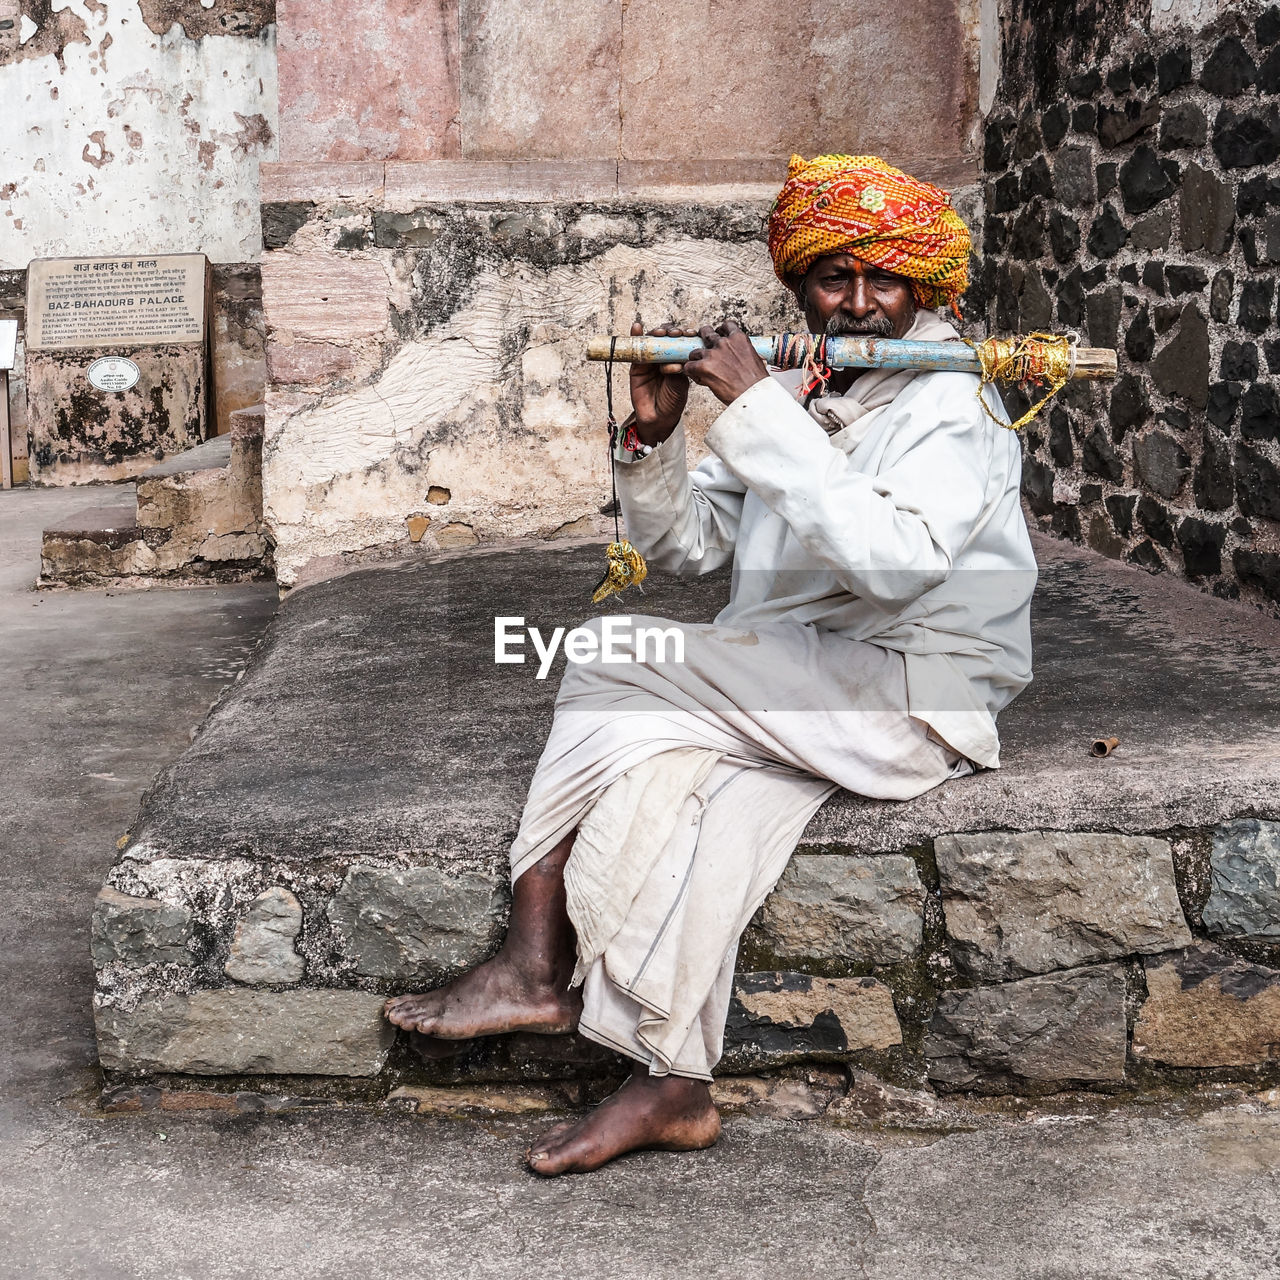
(141, 126)
(429, 387)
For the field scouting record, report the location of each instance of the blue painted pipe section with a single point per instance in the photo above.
(842, 353)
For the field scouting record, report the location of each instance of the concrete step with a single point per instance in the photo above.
(201, 511)
(96, 545)
(1066, 922)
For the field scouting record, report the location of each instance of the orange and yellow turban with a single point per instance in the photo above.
(862, 206)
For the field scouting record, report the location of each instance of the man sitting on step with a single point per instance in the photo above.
(878, 622)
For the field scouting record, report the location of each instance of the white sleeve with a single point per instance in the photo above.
(889, 537)
(681, 521)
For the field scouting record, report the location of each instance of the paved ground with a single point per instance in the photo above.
(100, 691)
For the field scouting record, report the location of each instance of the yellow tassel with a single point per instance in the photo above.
(1045, 358)
(626, 569)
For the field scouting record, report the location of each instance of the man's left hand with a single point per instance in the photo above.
(727, 364)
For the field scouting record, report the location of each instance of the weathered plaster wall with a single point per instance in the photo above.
(140, 126)
(428, 380)
(143, 123)
(1131, 195)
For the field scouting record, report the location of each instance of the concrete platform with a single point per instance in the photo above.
(338, 830)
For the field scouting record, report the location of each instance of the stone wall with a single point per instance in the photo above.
(687, 92)
(428, 379)
(511, 177)
(1130, 189)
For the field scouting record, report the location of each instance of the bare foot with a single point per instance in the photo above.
(497, 997)
(649, 1113)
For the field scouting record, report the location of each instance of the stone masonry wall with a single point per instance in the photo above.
(1131, 196)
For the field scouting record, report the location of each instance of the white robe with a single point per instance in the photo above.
(878, 621)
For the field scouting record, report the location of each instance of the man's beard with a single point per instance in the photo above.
(841, 325)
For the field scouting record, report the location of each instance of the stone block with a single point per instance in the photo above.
(292, 181)
(408, 185)
(1257, 483)
(1155, 520)
(1246, 138)
(1143, 181)
(138, 931)
(235, 1031)
(1162, 463)
(1073, 176)
(79, 435)
(1107, 235)
(1206, 211)
(1205, 1008)
(1256, 296)
(1229, 70)
(673, 50)
(1052, 1030)
(859, 910)
(324, 297)
(1214, 484)
(1174, 68)
(1182, 368)
(262, 951)
(1026, 903)
(1244, 894)
(1260, 412)
(1118, 125)
(418, 924)
(779, 1017)
(516, 97)
(1201, 544)
(1183, 126)
(1153, 232)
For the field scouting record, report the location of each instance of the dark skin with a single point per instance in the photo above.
(525, 987)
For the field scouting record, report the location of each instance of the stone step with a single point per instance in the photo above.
(200, 513)
(338, 831)
(210, 456)
(94, 546)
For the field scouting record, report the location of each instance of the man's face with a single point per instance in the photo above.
(842, 294)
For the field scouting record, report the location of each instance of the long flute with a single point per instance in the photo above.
(992, 358)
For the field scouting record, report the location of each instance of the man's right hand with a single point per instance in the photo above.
(659, 392)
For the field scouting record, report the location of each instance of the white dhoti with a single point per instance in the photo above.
(689, 784)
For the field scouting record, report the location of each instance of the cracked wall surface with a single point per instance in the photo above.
(142, 126)
(430, 386)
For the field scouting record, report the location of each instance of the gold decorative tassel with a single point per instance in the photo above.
(626, 569)
(1044, 358)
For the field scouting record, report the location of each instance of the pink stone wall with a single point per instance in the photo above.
(673, 91)
(368, 79)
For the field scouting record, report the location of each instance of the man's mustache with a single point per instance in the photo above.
(846, 326)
